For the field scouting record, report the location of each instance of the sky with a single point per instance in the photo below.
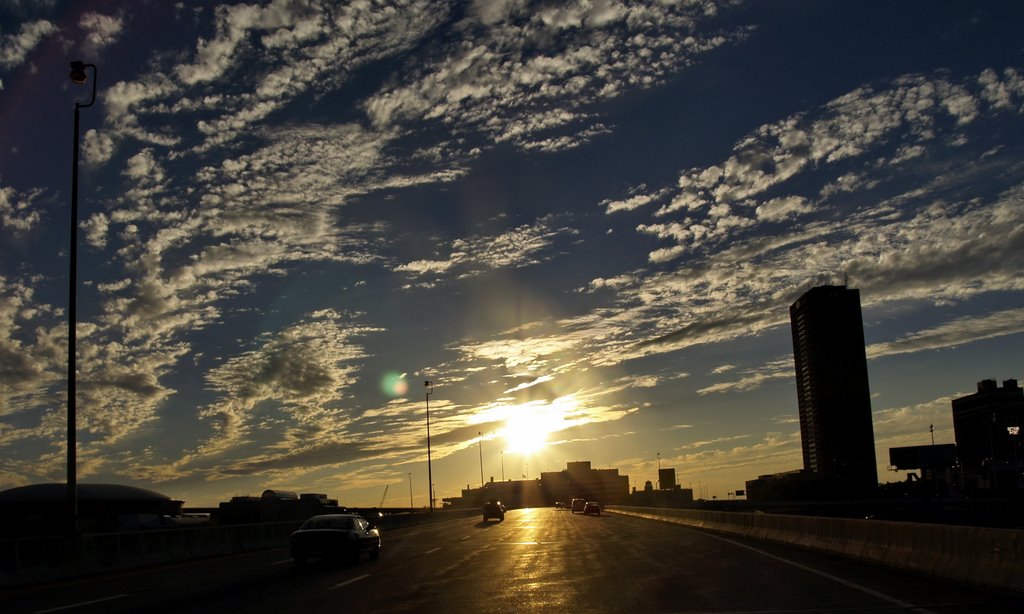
(583, 221)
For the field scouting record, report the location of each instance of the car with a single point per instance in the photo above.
(592, 507)
(494, 509)
(332, 537)
(559, 505)
(578, 505)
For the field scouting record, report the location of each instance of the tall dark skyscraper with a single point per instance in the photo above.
(832, 386)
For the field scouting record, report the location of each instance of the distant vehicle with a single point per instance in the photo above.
(334, 536)
(592, 507)
(494, 509)
(559, 505)
(578, 505)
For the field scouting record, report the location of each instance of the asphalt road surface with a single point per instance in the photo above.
(539, 559)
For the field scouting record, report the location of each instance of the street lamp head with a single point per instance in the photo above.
(427, 384)
(78, 76)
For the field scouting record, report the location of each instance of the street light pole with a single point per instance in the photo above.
(659, 470)
(480, 442)
(430, 475)
(410, 492)
(79, 77)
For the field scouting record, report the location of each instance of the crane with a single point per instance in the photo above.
(384, 495)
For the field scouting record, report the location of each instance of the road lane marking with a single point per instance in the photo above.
(84, 603)
(350, 581)
(465, 538)
(878, 595)
(432, 550)
(282, 562)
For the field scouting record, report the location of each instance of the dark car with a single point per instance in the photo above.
(592, 507)
(494, 509)
(334, 537)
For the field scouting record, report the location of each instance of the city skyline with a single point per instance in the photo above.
(583, 221)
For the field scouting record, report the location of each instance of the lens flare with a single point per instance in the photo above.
(394, 385)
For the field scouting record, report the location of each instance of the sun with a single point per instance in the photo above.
(523, 437)
(527, 427)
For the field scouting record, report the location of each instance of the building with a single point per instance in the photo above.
(579, 480)
(937, 465)
(930, 460)
(987, 426)
(797, 485)
(832, 388)
(666, 479)
(513, 493)
(275, 506)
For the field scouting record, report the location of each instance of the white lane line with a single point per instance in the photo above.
(878, 595)
(282, 562)
(350, 581)
(465, 538)
(84, 603)
(432, 550)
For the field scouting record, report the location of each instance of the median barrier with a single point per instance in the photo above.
(973, 555)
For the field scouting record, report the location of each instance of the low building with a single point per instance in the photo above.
(672, 497)
(275, 506)
(42, 509)
(800, 485)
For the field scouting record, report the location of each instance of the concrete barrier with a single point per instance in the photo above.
(972, 555)
(36, 559)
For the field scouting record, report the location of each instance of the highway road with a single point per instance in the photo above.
(540, 559)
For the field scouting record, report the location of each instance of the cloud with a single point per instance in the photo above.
(14, 48)
(716, 461)
(508, 79)
(33, 347)
(298, 374)
(751, 379)
(779, 209)
(101, 31)
(520, 247)
(530, 384)
(19, 212)
(953, 333)
(909, 113)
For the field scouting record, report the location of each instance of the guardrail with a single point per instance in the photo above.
(973, 555)
(36, 559)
